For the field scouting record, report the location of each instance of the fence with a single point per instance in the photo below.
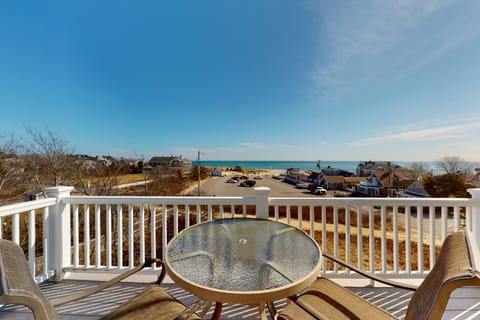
(388, 236)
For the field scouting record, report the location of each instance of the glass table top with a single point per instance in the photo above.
(243, 255)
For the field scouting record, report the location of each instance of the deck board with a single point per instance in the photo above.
(464, 303)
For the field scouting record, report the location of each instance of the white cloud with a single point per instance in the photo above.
(446, 132)
(253, 145)
(373, 39)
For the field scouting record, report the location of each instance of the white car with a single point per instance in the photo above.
(320, 190)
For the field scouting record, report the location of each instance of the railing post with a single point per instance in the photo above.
(261, 202)
(474, 226)
(58, 228)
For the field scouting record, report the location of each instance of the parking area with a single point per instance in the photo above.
(218, 186)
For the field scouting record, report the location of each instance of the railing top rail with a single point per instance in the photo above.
(180, 200)
(26, 206)
(375, 201)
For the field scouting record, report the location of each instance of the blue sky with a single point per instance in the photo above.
(246, 80)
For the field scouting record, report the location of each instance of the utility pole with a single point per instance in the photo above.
(319, 172)
(198, 171)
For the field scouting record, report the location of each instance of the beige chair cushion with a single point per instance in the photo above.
(325, 299)
(452, 270)
(294, 312)
(152, 303)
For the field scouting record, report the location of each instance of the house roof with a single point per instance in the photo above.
(334, 179)
(162, 159)
(416, 189)
(355, 179)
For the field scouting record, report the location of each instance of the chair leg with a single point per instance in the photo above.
(205, 309)
(272, 309)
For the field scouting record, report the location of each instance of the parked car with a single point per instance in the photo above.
(302, 185)
(248, 183)
(320, 191)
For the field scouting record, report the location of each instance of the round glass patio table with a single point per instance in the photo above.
(243, 260)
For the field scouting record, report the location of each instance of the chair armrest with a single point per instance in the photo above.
(109, 283)
(371, 276)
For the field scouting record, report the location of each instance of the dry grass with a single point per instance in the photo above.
(129, 178)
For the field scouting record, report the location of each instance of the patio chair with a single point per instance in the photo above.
(18, 287)
(456, 266)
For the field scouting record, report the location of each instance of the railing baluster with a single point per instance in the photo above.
(408, 260)
(131, 252)
(312, 222)
(120, 235)
(347, 235)
(299, 215)
(335, 236)
(142, 232)
(16, 228)
(98, 239)
(86, 235)
(324, 233)
(420, 238)
(456, 219)
(199, 214)
(359, 238)
(153, 231)
(371, 240)
(395, 239)
(468, 218)
(383, 237)
(46, 230)
(76, 241)
(175, 219)
(31, 242)
(444, 229)
(187, 216)
(432, 236)
(108, 234)
(288, 215)
(165, 230)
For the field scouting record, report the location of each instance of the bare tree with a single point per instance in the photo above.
(10, 164)
(96, 179)
(47, 158)
(418, 170)
(455, 165)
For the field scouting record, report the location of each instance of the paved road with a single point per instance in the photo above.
(219, 187)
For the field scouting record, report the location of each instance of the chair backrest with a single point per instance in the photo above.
(455, 267)
(17, 285)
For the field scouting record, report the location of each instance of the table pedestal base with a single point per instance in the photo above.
(218, 311)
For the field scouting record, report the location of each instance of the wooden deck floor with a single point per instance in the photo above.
(464, 303)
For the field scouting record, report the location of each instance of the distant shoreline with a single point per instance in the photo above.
(302, 165)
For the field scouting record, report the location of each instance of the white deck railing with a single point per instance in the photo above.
(389, 236)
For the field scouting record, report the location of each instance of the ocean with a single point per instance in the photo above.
(283, 165)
